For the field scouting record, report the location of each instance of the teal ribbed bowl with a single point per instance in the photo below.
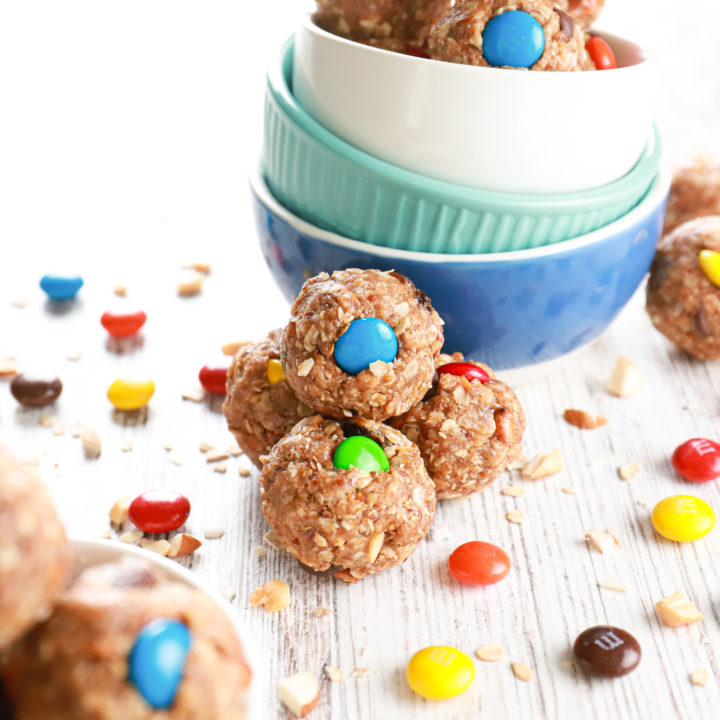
(337, 187)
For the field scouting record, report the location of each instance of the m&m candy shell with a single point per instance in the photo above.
(683, 518)
(362, 453)
(214, 380)
(710, 264)
(697, 460)
(479, 563)
(32, 391)
(365, 341)
(438, 672)
(606, 651)
(466, 370)
(159, 511)
(157, 661)
(513, 39)
(123, 325)
(274, 371)
(601, 53)
(127, 394)
(57, 287)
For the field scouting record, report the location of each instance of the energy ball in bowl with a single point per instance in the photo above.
(469, 427)
(361, 343)
(100, 655)
(695, 192)
(34, 554)
(586, 12)
(260, 406)
(355, 498)
(532, 34)
(683, 291)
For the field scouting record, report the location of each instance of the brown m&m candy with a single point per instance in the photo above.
(606, 651)
(35, 392)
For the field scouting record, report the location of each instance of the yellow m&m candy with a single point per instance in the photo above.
(683, 518)
(274, 371)
(710, 264)
(130, 394)
(438, 672)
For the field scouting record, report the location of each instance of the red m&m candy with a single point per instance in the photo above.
(479, 563)
(123, 325)
(601, 53)
(697, 460)
(214, 379)
(465, 369)
(159, 511)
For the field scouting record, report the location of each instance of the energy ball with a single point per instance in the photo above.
(33, 550)
(95, 658)
(695, 192)
(330, 513)
(586, 12)
(683, 291)
(361, 343)
(532, 34)
(469, 427)
(260, 406)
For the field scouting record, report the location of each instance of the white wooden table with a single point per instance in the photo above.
(124, 155)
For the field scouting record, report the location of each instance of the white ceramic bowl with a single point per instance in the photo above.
(89, 552)
(493, 128)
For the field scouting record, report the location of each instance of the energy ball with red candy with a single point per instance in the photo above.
(95, 659)
(468, 429)
(260, 406)
(534, 34)
(328, 512)
(33, 550)
(683, 291)
(694, 193)
(586, 12)
(361, 343)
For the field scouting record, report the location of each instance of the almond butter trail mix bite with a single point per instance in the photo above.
(361, 343)
(351, 497)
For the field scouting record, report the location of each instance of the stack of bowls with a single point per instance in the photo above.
(526, 204)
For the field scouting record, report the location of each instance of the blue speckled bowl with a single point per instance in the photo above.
(510, 310)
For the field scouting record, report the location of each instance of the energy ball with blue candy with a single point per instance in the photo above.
(361, 343)
(527, 34)
(125, 642)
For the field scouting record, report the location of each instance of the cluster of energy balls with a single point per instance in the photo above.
(533, 34)
(683, 291)
(358, 423)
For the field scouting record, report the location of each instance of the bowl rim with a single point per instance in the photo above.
(441, 190)
(653, 198)
(647, 56)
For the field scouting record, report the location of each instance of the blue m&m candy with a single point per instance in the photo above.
(364, 342)
(513, 38)
(157, 661)
(57, 287)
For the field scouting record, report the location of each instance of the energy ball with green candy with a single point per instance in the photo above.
(354, 521)
(361, 343)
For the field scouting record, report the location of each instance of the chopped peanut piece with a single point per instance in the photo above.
(603, 542)
(361, 672)
(299, 693)
(231, 348)
(120, 290)
(583, 419)
(119, 511)
(194, 394)
(544, 465)
(321, 612)
(513, 490)
(191, 287)
(676, 609)
(183, 544)
(522, 671)
(615, 586)
(213, 533)
(203, 268)
(569, 490)
(273, 540)
(132, 538)
(9, 366)
(91, 444)
(274, 595)
(374, 546)
(334, 673)
(699, 677)
(516, 516)
(490, 653)
(161, 547)
(305, 367)
(212, 456)
(629, 471)
(625, 380)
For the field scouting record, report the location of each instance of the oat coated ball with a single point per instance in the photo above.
(695, 192)
(474, 32)
(468, 431)
(586, 12)
(33, 550)
(75, 665)
(353, 521)
(361, 343)
(682, 301)
(260, 406)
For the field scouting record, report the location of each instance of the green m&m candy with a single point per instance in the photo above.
(362, 453)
